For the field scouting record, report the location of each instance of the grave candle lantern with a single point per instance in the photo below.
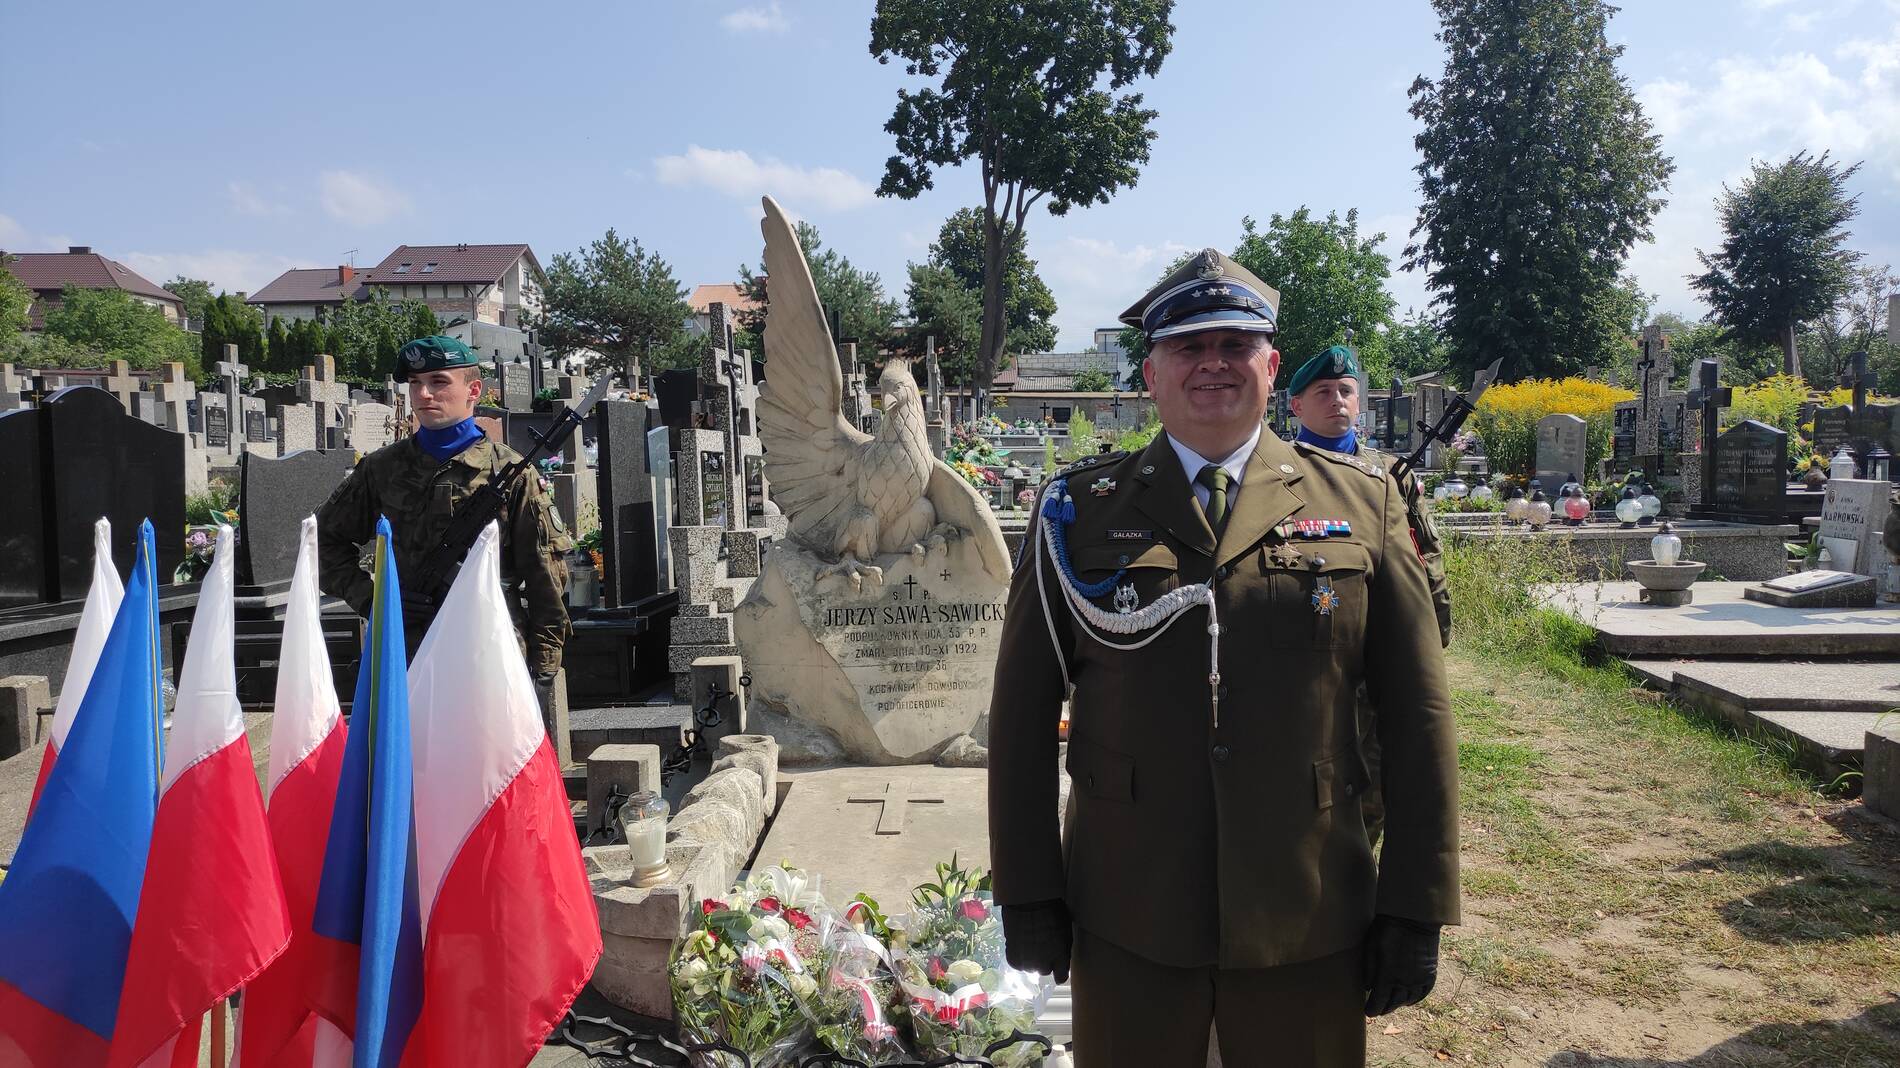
(643, 824)
(1576, 506)
(1456, 489)
(1481, 491)
(1539, 512)
(1652, 505)
(1665, 548)
(1879, 462)
(1628, 508)
(1516, 506)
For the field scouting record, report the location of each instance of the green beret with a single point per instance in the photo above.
(1336, 362)
(433, 353)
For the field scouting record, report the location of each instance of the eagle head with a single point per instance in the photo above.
(896, 383)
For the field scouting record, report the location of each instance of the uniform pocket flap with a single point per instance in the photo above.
(1100, 772)
(1113, 557)
(1340, 557)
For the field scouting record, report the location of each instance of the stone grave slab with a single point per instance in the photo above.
(1750, 471)
(1562, 443)
(880, 831)
(1852, 515)
(1801, 686)
(1829, 742)
(17, 776)
(274, 497)
(1722, 622)
(1816, 589)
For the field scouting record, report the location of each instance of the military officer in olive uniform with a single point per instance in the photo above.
(1210, 606)
(1324, 395)
(419, 480)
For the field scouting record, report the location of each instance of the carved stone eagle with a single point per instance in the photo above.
(850, 496)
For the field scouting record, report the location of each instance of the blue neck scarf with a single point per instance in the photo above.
(1347, 442)
(449, 440)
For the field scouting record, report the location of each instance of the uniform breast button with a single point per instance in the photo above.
(1220, 754)
(1223, 572)
(1124, 559)
(1351, 789)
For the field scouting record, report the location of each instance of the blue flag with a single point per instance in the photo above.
(68, 902)
(367, 903)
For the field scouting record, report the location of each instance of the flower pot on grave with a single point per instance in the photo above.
(1666, 585)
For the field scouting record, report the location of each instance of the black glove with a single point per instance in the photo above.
(1038, 937)
(1401, 963)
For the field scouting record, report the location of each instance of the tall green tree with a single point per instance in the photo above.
(112, 323)
(229, 321)
(1857, 322)
(195, 292)
(1331, 281)
(1744, 362)
(15, 301)
(854, 298)
(1415, 345)
(422, 323)
(613, 298)
(948, 313)
(276, 343)
(1783, 262)
(1538, 172)
(363, 336)
(1031, 90)
(1028, 307)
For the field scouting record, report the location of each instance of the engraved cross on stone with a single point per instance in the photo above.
(890, 818)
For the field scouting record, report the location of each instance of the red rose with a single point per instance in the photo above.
(779, 958)
(948, 1014)
(710, 906)
(797, 918)
(935, 969)
(973, 909)
(769, 905)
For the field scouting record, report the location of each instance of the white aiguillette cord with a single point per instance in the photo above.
(1162, 613)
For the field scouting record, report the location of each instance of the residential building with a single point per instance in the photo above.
(704, 297)
(1109, 339)
(500, 284)
(49, 273)
(306, 293)
(1046, 371)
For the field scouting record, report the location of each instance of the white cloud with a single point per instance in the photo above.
(246, 200)
(736, 174)
(12, 234)
(360, 199)
(1772, 107)
(765, 19)
(15, 237)
(226, 269)
(1094, 279)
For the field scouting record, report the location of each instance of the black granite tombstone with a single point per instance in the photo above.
(677, 391)
(274, 496)
(1750, 472)
(1623, 439)
(1832, 429)
(629, 557)
(217, 427)
(256, 427)
(23, 556)
(99, 461)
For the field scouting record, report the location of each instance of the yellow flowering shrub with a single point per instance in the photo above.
(1507, 415)
(1776, 401)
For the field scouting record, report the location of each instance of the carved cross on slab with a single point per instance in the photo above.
(890, 819)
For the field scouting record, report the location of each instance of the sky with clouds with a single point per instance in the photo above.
(233, 141)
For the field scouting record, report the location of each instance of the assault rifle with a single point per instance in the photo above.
(1448, 424)
(431, 582)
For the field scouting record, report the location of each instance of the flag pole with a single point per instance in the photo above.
(217, 1034)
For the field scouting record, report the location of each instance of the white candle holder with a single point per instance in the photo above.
(643, 824)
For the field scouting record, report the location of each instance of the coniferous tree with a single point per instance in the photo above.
(1539, 171)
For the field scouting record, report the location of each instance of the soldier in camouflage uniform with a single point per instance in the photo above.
(419, 481)
(1324, 395)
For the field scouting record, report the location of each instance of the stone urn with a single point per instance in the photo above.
(1666, 585)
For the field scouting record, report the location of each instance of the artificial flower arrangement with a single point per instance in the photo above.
(772, 970)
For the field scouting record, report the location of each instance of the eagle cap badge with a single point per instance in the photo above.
(1210, 267)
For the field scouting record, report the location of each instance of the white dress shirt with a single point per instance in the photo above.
(1235, 464)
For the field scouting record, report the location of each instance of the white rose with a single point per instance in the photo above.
(768, 927)
(694, 969)
(965, 972)
(802, 985)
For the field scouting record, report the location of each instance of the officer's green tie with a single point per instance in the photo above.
(1215, 478)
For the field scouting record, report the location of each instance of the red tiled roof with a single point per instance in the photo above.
(88, 270)
(460, 264)
(732, 296)
(308, 285)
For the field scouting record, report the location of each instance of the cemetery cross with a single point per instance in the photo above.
(1711, 398)
(890, 817)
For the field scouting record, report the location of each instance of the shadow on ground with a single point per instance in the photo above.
(1870, 1040)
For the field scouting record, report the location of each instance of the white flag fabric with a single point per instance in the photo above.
(95, 620)
(306, 706)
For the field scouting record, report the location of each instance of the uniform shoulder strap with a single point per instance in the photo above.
(1375, 466)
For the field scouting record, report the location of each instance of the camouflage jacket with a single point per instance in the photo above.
(1431, 551)
(419, 495)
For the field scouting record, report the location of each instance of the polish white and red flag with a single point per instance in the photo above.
(306, 756)
(510, 933)
(211, 909)
(95, 622)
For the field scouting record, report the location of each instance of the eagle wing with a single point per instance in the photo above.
(811, 450)
(957, 502)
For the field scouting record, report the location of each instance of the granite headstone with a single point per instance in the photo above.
(1751, 471)
(274, 496)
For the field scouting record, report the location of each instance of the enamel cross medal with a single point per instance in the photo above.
(1325, 598)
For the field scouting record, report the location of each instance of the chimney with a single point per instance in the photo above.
(241, 296)
(344, 274)
(78, 250)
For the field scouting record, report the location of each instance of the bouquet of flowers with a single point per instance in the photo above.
(858, 1007)
(745, 973)
(963, 996)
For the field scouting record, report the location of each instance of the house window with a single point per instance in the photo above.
(402, 268)
(428, 268)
